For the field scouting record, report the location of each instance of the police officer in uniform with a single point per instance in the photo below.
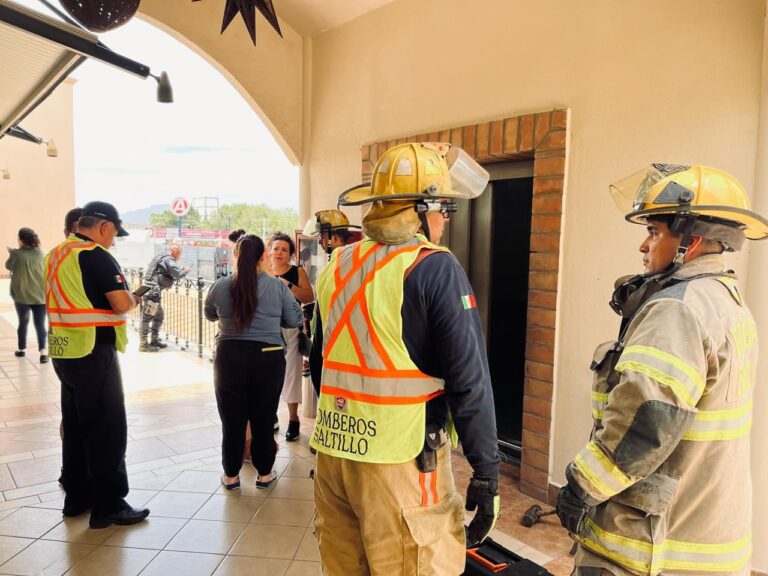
(87, 301)
(404, 368)
(663, 486)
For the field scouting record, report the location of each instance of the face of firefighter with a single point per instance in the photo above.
(659, 247)
(436, 222)
(337, 241)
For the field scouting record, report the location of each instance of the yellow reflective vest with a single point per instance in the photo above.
(372, 405)
(72, 319)
(667, 468)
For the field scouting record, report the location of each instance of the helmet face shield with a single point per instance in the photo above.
(630, 193)
(468, 178)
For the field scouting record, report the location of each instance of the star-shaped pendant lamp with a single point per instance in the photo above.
(247, 9)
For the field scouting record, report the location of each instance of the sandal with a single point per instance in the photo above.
(263, 485)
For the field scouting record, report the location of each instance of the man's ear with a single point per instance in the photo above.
(694, 246)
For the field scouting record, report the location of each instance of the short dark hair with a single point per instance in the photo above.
(282, 236)
(342, 233)
(71, 219)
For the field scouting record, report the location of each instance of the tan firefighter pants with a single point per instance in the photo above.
(388, 519)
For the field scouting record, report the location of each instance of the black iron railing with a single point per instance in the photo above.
(184, 324)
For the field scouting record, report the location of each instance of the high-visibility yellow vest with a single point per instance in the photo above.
(72, 319)
(372, 405)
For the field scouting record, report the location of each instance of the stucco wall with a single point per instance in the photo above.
(268, 76)
(41, 189)
(652, 81)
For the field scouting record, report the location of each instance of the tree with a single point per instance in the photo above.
(168, 219)
(257, 219)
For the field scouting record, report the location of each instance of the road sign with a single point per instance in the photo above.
(180, 206)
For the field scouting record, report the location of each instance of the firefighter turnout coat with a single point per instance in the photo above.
(666, 472)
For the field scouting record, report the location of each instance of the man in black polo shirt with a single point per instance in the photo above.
(87, 301)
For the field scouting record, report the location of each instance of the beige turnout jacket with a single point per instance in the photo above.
(667, 468)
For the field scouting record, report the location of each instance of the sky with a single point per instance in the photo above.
(135, 152)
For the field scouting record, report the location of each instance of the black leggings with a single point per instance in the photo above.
(248, 377)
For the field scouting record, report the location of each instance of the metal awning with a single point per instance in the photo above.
(37, 52)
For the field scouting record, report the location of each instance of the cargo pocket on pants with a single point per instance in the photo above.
(434, 538)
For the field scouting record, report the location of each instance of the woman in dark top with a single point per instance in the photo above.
(250, 307)
(28, 290)
(281, 251)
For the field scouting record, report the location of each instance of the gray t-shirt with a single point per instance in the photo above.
(276, 307)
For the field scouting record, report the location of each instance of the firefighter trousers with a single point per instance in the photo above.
(388, 519)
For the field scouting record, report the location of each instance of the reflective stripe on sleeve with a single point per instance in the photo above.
(684, 380)
(599, 401)
(605, 477)
(714, 425)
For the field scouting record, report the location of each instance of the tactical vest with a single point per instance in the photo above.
(372, 405)
(72, 319)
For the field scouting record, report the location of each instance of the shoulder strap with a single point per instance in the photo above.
(422, 254)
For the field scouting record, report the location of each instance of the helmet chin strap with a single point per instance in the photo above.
(424, 225)
(684, 224)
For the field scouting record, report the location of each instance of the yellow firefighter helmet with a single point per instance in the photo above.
(710, 194)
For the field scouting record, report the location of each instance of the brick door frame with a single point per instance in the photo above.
(543, 138)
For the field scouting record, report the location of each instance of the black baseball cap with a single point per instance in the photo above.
(107, 212)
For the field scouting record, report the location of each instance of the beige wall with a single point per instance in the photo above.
(41, 189)
(269, 76)
(652, 81)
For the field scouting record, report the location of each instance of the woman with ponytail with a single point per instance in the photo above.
(250, 307)
(28, 290)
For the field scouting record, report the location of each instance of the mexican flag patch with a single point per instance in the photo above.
(469, 301)
(119, 278)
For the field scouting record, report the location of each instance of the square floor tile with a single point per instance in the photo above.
(230, 507)
(138, 497)
(299, 468)
(210, 536)
(308, 549)
(112, 560)
(10, 546)
(195, 481)
(182, 564)
(152, 533)
(239, 566)
(77, 530)
(177, 504)
(269, 541)
(285, 512)
(46, 557)
(299, 568)
(298, 488)
(29, 522)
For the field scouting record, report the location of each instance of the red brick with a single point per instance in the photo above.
(526, 133)
(510, 135)
(540, 299)
(539, 389)
(545, 262)
(497, 138)
(537, 406)
(401, 141)
(545, 223)
(483, 141)
(364, 152)
(537, 424)
(535, 478)
(457, 137)
(545, 243)
(540, 335)
(412, 139)
(542, 281)
(532, 490)
(538, 442)
(538, 353)
(444, 136)
(469, 140)
(434, 136)
(391, 144)
(547, 204)
(535, 459)
(559, 119)
(549, 166)
(541, 317)
(540, 128)
(543, 372)
(548, 185)
(381, 147)
(555, 140)
(367, 170)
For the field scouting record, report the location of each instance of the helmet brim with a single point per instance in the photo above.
(361, 194)
(754, 226)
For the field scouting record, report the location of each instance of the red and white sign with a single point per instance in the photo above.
(180, 206)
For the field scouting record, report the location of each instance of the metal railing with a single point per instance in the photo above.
(184, 323)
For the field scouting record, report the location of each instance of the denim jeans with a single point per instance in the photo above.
(38, 314)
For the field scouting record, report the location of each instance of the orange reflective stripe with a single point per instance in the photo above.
(428, 485)
(357, 264)
(373, 372)
(377, 345)
(423, 486)
(382, 400)
(433, 486)
(87, 324)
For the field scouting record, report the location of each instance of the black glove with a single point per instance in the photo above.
(483, 495)
(570, 509)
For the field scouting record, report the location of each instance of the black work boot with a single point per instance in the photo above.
(145, 346)
(157, 343)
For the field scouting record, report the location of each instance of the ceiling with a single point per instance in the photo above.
(313, 17)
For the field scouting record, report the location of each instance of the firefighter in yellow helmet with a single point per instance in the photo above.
(403, 370)
(663, 486)
(333, 227)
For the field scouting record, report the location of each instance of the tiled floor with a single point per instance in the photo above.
(196, 527)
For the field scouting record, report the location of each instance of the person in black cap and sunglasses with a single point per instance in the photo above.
(87, 301)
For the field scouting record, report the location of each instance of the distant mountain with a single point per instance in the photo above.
(141, 216)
